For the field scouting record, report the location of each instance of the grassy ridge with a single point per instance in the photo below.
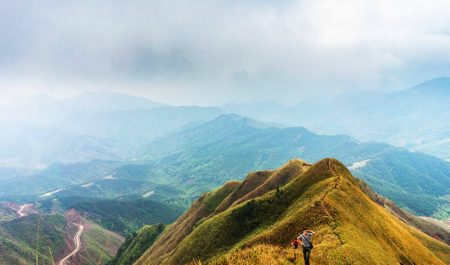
(199, 211)
(351, 228)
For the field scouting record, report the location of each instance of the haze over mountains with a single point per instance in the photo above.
(111, 126)
(100, 154)
(41, 132)
(203, 156)
(416, 118)
(155, 145)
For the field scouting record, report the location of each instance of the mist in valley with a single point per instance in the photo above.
(131, 132)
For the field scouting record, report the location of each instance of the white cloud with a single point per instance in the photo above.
(213, 51)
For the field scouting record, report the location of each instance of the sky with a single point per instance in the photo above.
(217, 51)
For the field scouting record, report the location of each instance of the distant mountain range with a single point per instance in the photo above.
(42, 109)
(62, 146)
(226, 148)
(417, 118)
(42, 131)
(37, 146)
(39, 131)
(186, 163)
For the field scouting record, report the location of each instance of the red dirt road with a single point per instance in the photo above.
(77, 241)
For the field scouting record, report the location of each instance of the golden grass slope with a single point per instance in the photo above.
(254, 227)
(429, 226)
(177, 231)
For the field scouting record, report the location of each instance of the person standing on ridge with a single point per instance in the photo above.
(305, 240)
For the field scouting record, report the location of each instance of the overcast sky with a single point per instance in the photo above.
(212, 51)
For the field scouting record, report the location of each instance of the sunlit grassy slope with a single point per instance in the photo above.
(256, 219)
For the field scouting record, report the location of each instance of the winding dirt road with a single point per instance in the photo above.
(23, 209)
(77, 241)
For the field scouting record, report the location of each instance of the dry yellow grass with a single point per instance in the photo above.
(176, 232)
(351, 228)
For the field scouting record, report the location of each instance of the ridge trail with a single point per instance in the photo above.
(323, 205)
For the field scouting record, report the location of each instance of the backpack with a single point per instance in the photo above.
(295, 243)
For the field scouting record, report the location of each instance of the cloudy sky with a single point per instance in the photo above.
(212, 51)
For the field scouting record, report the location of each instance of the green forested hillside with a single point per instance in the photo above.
(127, 216)
(179, 167)
(202, 157)
(44, 237)
(19, 237)
(57, 176)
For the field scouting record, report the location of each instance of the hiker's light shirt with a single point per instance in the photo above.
(305, 239)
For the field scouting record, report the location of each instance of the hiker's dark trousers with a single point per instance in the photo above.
(306, 254)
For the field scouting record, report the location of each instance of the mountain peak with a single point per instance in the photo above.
(104, 100)
(436, 86)
(229, 119)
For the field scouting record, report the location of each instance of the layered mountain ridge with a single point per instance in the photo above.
(203, 157)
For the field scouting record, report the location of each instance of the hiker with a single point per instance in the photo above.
(305, 240)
